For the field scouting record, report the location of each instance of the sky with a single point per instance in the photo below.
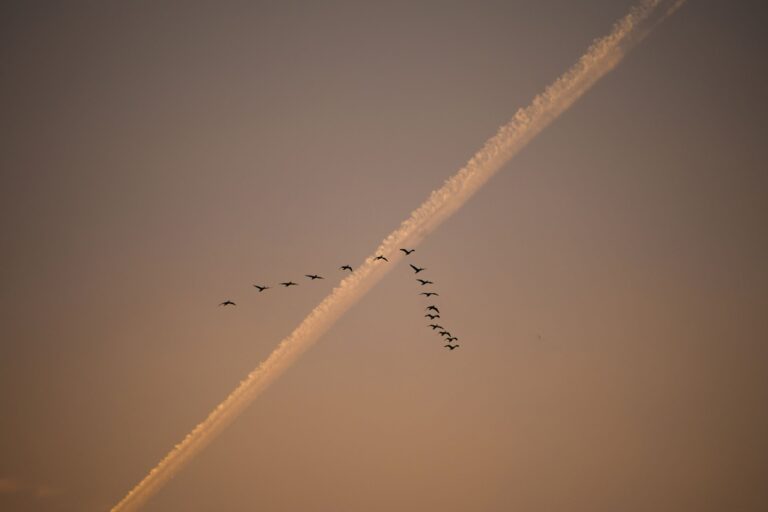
(608, 287)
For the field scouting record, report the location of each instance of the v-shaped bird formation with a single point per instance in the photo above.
(432, 312)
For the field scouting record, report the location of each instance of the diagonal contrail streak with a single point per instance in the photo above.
(600, 58)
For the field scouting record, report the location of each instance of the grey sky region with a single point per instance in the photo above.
(610, 284)
(602, 56)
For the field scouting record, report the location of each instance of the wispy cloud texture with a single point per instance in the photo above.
(602, 56)
(13, 486)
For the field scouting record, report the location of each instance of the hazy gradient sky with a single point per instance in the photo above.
(610, 286)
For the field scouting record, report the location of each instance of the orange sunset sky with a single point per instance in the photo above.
(608, 288)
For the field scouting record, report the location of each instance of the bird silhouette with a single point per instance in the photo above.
(429, 294)
(435, 326)
(345, 267)
(431, 317)
(289, 283)
(407, 251)
(451, 347)
(313, 276)
(433, 308)
(416, 269)
(380, 257)
(261, 288)
(424, 281)
(445, 333)
(451, 338)
(227, 303)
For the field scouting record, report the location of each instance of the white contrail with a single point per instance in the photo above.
(600, 58)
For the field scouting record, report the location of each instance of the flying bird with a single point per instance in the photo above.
(407, 251)
(451, 347)
(424, 281)
(345, 267)
(313, 276)
(445, 333)
(380, 257)
(429, 294)
(435, 326)
(227, 303)
(451, 338)
(431, 317)
(416, 269)
(433, 308)
(289, 283)
(261, 288)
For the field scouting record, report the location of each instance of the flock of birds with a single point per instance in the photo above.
(432, 311)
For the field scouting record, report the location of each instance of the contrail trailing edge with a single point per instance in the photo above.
(600, 58)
